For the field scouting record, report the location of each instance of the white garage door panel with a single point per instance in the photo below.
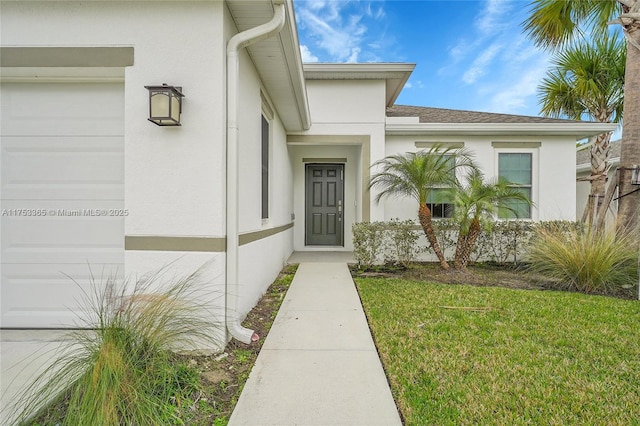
(62, 239)
(62, 198)
(62, 109)
(62, 167)
(54, 298)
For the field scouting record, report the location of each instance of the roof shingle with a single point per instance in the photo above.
(442, 115)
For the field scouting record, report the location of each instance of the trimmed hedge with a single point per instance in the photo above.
(396, 242)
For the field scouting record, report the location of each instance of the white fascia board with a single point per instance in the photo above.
(349, 71)
(579, 130)
(586, 167)
(395, 74)
(291, 44)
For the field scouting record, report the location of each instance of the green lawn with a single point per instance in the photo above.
(521, 357)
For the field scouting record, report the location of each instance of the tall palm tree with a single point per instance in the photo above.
(555, 23)
(587, 79)
(476, 202)
(415, 175)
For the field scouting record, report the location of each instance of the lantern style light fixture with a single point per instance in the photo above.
(635, 174)
(165, 104)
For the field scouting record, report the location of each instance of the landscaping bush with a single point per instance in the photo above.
(391, 243)
(503, 241)
(368, 243)
(123, 370)
(397, 242)
(583, 259)
(401, 242)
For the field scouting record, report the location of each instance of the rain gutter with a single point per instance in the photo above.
(235, 44)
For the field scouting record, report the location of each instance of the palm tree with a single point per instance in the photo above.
(588, 79)
(476, 202)
(555, 23)
(415, 175)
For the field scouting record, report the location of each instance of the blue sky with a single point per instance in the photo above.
(470, 54)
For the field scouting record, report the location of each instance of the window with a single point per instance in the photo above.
(517, 168)
(437, 203)
(437, 200)
(265, 168)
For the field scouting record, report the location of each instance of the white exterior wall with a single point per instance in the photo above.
(159, 162)
(260, 261)
(175, 176)
(553, 189)
(348, 121)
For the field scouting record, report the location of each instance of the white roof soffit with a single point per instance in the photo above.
(277, 59)
(579, 130)
(395, 74)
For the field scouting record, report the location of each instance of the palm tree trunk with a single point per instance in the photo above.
(599, 169)
(424, 214)
(463, 254)
(629, 205)
(460, 247)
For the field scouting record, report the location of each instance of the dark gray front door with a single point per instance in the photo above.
(324, 204)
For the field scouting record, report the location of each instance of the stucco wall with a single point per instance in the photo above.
(553, 189)
(348, 121)
(174, 178)
(159, 162)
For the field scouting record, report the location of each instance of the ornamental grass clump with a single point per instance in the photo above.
(585, 260)
(122, 370)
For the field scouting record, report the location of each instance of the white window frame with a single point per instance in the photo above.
(535, 186)
(268, 115)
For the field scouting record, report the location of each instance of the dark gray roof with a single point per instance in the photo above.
(583, 156)
(442, 115)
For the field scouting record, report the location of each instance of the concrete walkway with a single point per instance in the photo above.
(318, 365)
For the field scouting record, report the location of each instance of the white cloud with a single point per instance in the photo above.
(330, 33)
(337, 30)
(518, 94)
(481, 63)
(414, 84)
(354, 55)
(491, 18)
(307, 56)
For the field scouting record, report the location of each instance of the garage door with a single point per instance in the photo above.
(62, 199)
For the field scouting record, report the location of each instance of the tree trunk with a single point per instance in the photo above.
(463, 254)
(604, 208)
(460, 246)
(424, 214)
(629, 205)
(599, 169)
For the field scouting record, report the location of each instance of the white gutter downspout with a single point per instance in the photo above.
(234, 45)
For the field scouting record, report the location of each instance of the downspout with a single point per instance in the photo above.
(232, 289)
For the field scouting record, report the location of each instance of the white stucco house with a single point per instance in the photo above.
(273, 155)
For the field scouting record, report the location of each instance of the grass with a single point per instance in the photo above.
(193, 388)
(463, 355)
(124, 370)
(586, 260)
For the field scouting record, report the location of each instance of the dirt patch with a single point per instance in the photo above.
(223, 375)
(486, 275)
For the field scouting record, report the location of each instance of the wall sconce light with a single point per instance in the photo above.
(635, 175)
(165, 104)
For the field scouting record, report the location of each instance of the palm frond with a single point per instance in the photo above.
(554, 23)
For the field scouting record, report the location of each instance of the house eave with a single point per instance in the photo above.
(395, 75)
(278, 61)
(578, 130)
(586, 167)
